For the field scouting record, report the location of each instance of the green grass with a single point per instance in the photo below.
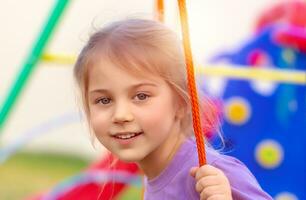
(132, 193)
(25, 174)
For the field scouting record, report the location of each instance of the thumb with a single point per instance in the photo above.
(193, 171)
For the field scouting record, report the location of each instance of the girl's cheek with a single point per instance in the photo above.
(157, 120)
(98, 122)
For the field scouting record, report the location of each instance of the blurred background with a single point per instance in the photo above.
(44, 140)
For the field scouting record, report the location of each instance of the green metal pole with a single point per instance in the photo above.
(31, 61)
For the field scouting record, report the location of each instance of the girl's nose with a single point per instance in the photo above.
(122, 113)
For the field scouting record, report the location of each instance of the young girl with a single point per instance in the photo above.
(132, 78)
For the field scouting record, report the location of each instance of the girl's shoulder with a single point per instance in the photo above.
(224, 162)
(243, 183)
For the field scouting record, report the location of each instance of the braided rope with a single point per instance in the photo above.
(159, 10)
(191, 84)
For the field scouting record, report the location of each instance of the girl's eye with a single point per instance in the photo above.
(142, 96)
(104, 100)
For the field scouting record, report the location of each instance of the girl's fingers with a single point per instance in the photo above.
(206, 182)
(210, 191)
(193, 171)
(218, 197)
(211, 183)
(206, 170)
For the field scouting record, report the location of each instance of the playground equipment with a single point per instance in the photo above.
(269, 153)
(265, 121)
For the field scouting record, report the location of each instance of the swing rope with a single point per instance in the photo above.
(191, 84)
(159, 10)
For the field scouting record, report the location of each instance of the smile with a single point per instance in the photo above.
(125, 136)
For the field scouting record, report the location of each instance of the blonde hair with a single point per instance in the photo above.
(138, 46)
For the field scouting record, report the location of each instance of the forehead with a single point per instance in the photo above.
(105, 73)
(136, 59)
(131, 60)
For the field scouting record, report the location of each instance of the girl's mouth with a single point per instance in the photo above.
(126, 136)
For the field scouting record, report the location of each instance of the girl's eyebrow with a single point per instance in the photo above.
(143, 84)
(101, 90)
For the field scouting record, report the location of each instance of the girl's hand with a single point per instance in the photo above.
(211, 183)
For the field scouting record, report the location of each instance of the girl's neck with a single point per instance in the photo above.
(157, 161)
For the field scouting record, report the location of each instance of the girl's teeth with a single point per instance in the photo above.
(127, 136)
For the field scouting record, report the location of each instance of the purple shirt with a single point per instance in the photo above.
(174, 182)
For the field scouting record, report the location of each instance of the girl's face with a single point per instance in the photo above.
(135, 117)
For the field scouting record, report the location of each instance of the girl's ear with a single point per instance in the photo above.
(180, 113)
(181, 110)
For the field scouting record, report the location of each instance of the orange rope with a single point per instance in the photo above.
(191, 84)
(159, 7)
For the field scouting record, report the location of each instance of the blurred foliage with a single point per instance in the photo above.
(25, 174)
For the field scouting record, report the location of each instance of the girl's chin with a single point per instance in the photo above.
(125, 158)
